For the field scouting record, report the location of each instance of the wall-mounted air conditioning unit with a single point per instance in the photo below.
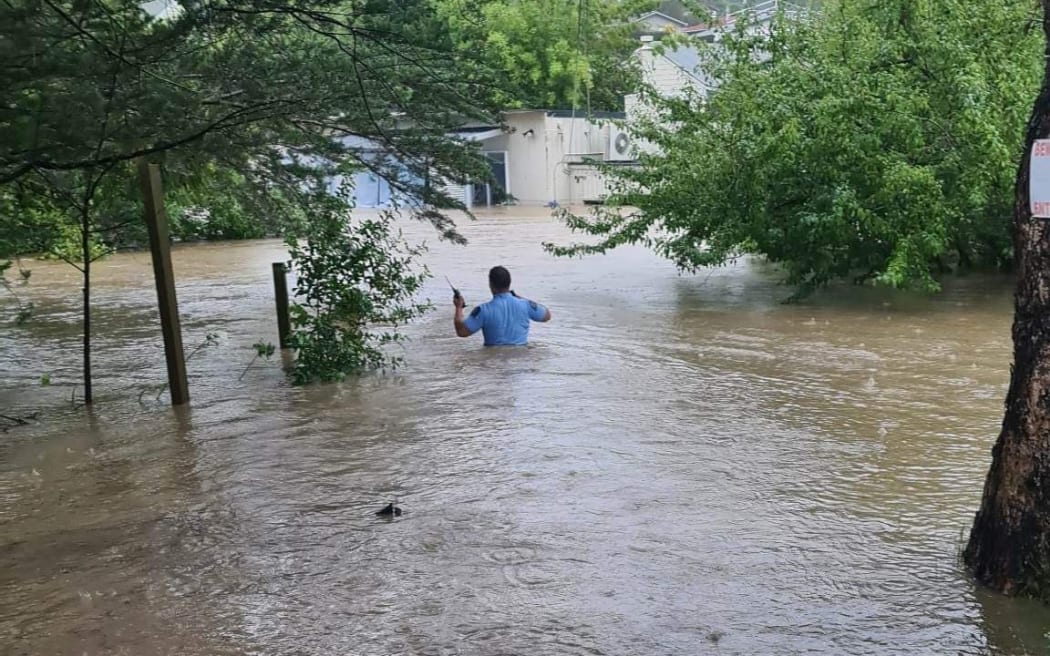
(621, 146)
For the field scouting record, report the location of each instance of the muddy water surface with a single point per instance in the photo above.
(676, 465)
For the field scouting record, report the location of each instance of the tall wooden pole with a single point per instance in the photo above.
(85, 250)
(280, 292)
(160, 247)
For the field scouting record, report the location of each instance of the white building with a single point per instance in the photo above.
(672, 72)
(669, 72)
(544, 157)
(536, 157)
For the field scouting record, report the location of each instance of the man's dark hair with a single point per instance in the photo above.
(499, 279)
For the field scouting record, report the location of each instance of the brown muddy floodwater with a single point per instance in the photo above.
(676, 465)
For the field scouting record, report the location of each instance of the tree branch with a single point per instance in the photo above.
(227, 121)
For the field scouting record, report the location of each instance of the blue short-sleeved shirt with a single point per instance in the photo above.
(505, 319)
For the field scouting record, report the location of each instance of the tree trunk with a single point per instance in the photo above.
(1009, 546)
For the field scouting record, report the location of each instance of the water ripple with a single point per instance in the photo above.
(673, 466)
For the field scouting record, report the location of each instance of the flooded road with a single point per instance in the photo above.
(676, 465)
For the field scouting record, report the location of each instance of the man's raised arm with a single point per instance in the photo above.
(465, 327)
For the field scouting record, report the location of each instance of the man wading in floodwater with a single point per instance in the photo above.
(505, 319)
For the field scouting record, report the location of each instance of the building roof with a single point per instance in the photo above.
(580, 113)
(478, 132)
(685, 58)
(569, 113)
(758, 11)
(720, 21)
(673, 11)
(676, 10)
(661, 14)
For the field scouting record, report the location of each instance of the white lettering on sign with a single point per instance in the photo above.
(1039, 180)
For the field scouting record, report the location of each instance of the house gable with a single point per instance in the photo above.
(668, 16)
(657, 21)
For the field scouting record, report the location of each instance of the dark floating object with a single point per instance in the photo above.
(389, 511)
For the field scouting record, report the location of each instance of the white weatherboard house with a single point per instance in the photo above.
(672, 72)
(536, 157)
(546, 157)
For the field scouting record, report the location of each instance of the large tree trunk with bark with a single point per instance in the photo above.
(1009, 546)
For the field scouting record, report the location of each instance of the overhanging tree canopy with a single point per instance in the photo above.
(872, 141)
(554, 54)
(89, 85)
(273, 96)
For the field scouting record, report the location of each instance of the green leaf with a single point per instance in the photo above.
(870, 141)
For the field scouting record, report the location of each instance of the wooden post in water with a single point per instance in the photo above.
(160, 248)
(280, 292)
